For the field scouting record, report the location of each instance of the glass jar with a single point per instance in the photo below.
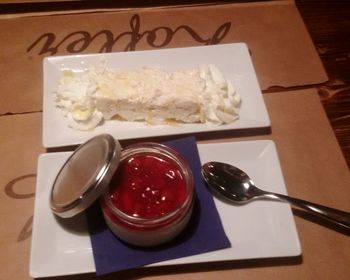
(146, 190)
(150, 199)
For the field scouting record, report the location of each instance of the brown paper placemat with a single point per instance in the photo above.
(281, 48)
(313, 167)
(20, 144)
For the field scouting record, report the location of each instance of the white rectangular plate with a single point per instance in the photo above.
(261, 229)
(232, 59)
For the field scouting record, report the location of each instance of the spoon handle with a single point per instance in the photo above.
(336, 216)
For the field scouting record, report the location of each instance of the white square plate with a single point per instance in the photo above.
(261, 229)
(232, 59)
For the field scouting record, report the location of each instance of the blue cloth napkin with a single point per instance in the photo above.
(203, 234)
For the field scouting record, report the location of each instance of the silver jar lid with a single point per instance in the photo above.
(85, 175)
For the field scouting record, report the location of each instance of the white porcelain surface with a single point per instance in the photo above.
(232, 59)
(262, 229)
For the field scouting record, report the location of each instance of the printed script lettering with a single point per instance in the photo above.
(11, 192)
(78, 41)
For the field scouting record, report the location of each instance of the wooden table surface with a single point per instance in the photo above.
(328, 23)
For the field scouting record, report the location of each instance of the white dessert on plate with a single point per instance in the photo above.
(150, 94)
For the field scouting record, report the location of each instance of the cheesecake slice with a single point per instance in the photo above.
(151, 95)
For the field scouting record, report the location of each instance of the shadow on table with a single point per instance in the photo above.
(187, 268)
(200, 136)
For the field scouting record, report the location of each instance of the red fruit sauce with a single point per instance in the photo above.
(148, 186)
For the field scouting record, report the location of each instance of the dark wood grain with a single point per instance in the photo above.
(328, 23)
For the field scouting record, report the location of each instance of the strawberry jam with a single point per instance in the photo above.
(150, 198)
(148, 186)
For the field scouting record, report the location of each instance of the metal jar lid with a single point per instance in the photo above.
(85, 175)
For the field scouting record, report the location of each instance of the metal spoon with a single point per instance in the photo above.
(235, 185)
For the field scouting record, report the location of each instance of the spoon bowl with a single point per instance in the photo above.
(236, 186)
(230, 182)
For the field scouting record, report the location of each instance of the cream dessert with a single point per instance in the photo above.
(152, 95)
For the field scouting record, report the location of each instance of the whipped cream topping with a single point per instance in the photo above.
(153, 95)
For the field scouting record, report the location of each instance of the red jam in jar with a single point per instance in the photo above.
(150, 198)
